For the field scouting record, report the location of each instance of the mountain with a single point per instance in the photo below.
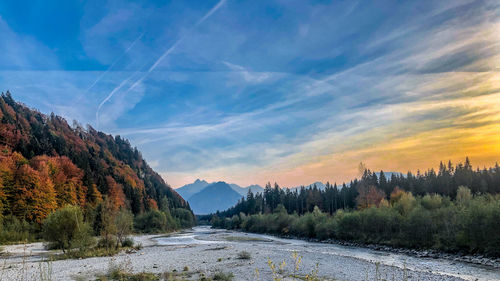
(216, 196)
(188, 190)
(388, 175)
(46, 164)
(318, 184)
(244, 190)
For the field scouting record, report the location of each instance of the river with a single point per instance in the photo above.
(351, 263)
(204, 251)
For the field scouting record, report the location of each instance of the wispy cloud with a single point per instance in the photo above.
(291, 92)
(248, 76)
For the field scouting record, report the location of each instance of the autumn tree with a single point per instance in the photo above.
(115, 193)
(369, 196)
(32, 194)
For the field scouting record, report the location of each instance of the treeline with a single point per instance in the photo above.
(45, 164)
(70, 230)
(454, 209)
(370, 190)
(469, 224)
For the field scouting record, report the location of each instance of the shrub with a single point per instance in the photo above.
(106, 243)
(153, 221)
(124, 222)
(15, 230)
(184, 217)
(221, 276)
(128, 242)
(244, 255)
(65, 228)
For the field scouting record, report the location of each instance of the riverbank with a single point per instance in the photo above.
(419, 253)
(206, 251)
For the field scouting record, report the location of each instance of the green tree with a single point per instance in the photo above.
(65, 228)
(124, 222)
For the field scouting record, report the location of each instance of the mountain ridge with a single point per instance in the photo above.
(46, 164)
(215, 197)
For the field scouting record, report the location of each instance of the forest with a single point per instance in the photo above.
(456, 209)
(47, 165)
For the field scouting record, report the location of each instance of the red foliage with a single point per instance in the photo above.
(152, 204)
(369, 196)
(115, 193)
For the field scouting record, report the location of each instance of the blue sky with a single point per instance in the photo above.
(257, 91)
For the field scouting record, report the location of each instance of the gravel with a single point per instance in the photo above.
(207, 251)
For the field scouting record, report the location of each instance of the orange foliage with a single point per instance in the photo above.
(115, 193)
(32, 195)
(94, 196)
(152, 204)
(33, 189)
(369, 196)
(66, 177)
(396, 194)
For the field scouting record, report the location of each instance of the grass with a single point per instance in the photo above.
(246, 239)
(244, 255)
(217, 248)
(117, 274)
(94, 252)
(221, 276)
(121, 275)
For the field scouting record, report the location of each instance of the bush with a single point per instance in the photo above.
(221, 276)
(106, 243)
(124, 221)
(244, 255)
(184, 217)
(128, 242)
(15, 230)
(468, 224)
(153, 221)
(65, 229)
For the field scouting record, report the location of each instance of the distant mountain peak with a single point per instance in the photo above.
(217, 196)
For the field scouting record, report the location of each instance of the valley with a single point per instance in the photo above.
(205, 251)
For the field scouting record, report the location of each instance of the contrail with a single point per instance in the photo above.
(108, 69)
(164, 55)
(116, 89)
(172, 48)
(114, 62)
(213, 10)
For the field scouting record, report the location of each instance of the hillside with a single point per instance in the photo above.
(217, 196)
(46, 163)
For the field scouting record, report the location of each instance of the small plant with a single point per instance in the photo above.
(106, 243)
(221, 276)
(244, 255)
(45, 271)
(138, 246)
(279, 273)
(219, 259)
(128, 242)
(186, 268)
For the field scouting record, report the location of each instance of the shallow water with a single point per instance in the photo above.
(205, 235)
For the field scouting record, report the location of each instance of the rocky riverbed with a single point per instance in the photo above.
(205, 251)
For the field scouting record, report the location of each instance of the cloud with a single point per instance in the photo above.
(248, 76)
(305, 91)
(23, 52)
(408, 103)
(143, 76)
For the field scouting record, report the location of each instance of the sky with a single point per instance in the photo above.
(283, 91)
